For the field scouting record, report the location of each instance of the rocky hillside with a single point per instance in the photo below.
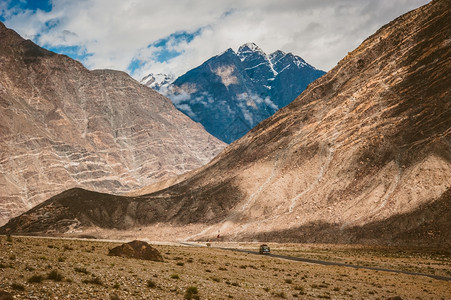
(363, 155)
(64, 126)
(232, 92)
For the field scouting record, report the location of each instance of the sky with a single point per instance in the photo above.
(174, 36)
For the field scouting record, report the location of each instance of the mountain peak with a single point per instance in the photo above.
(227, 52)
(249, 48)
(233, 91)
(156, 81)
(277, 53)
(276, 56)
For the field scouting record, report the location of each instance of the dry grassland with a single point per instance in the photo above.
(42, 268)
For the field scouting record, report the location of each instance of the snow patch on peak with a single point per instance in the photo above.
(251, 52)
(156, 81)
(276, 56)
(251, 46)
(248, 49)
(299, 61)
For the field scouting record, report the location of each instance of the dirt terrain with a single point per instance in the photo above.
(45, 268)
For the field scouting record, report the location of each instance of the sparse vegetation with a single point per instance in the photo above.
(55, 275)
(67, 248)
(192, 293)
(17, 286)
(151, 284)
(35, 279)
(81, 270)
(223, 277)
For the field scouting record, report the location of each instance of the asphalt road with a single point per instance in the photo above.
(327, 263)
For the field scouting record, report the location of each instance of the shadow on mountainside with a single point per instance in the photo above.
(428, 225)
(76, 208)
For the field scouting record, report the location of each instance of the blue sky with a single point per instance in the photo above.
(166, 49)
(173, 36)
(34, 5)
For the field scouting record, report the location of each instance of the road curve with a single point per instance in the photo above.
(327, 263)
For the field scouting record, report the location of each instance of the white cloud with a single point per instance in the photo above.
(187, 110)
(252, 100)
(270, 103)
(178, 98)
(116, 31)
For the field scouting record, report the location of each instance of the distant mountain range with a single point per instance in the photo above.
(232, 92)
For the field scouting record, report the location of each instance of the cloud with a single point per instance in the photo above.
(180, 97)
(173, 36)
(252, 100)
(270, 103)
(187, 110)
(161, 51)
(247, 115)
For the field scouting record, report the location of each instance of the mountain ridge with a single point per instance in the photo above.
(233, 91)
(363, 148)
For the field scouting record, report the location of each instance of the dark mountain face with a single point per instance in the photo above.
(64, 126)
(231, 93)
(363, 155)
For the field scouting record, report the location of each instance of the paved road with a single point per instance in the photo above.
(327, 263)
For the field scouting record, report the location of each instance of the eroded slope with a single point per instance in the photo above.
(63, 126)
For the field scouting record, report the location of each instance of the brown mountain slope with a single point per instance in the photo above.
(63, 126)
(365, 149)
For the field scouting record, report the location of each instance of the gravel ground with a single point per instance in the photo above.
(81, 269)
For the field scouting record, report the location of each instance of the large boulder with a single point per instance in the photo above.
(137, 249)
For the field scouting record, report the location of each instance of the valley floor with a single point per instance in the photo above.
(44, 268)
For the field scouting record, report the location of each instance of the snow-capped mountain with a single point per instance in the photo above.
(158, 81)
(234, 91)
